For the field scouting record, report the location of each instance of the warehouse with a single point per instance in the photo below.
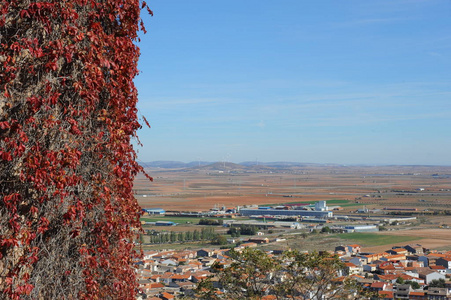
(154, 211)
(279, 212)
(361, 228)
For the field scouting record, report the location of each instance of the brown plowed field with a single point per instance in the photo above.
(373, 187)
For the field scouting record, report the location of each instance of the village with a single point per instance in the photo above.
(297, 213)
(409, 271)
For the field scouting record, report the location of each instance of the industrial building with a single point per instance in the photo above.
(154, 211)
(165, 223)
(321, 206)
(361, 228)
(280, 212)
(266, 225)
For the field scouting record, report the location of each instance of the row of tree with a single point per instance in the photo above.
(243, 229)
(204, 234)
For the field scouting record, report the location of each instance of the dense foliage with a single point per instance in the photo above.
(219, 240)
(243, 229)
(68, 218)
(294, 275)
(437, 283)
(156, 237)
(210, 222)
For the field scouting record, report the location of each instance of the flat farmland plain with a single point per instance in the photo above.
(425, 188)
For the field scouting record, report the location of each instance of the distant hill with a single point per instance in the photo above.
(197, 164)
(168, 164)
(278, 164)
(221, 166)
(254, 166)
(165, 164)
(250, 166)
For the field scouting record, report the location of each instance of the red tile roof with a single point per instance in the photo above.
(378, 285)
(398, 250)
(156, 285)
(350, 265)
(167, 295)
(386, 294)
(437, 267)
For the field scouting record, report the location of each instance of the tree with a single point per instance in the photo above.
(437, 283)
(233, 230)
(203, 234)
(181, 236)
(325, 229)
(157, 238)
(210, 222)
(189, 236)
(165, 237)
(294, 275)
(173, 237)
(68, 217)
(400, 280)
(219, 240)
(248, 230)
(209, 233)
(415, 285)
(246, 278)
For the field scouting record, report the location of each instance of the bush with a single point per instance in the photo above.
(325, 229)
(415, 285)
(219, 240)
(437, 283)
(210, 222)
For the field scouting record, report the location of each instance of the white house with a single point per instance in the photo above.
(429, 275)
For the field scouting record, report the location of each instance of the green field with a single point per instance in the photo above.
(351, 204)
(372, 239)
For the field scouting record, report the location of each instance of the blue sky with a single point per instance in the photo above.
(348, 82)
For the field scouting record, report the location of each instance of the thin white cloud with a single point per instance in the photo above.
(437, 55)
(368, 119)
(393, 6)
(369, 21)
(261, 124)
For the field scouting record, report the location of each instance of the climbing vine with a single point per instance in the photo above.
(68, 217)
